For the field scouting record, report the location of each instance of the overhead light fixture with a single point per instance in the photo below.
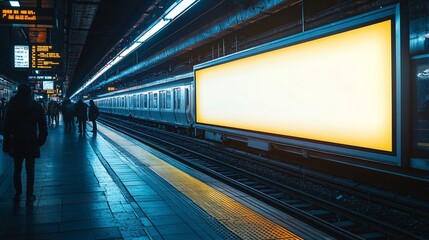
(178, 8)
(154, 29)
(14, 3)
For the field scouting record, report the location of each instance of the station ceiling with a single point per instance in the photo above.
(82, 31)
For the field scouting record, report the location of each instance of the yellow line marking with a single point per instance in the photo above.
(241, 220)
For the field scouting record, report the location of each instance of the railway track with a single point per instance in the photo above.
(333, 205)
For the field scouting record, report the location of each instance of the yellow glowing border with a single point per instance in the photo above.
(335, 89)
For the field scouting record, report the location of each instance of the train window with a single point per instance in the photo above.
(176, 97)
(138, 101)
(168, 99)
(141, 101)
(186, 98)
(162, 99)
(155, 100)
(150, 100)
(145, 101)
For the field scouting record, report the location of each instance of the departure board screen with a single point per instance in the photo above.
(335, 89)
(45, 57)
(27, 17)
(21, 56)
(48, 85)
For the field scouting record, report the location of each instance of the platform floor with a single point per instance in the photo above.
(107, 186)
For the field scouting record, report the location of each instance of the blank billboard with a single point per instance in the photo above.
(335, 89)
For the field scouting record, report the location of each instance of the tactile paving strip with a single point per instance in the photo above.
(241, 220)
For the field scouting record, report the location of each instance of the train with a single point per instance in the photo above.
(337, 92)
(165, 103)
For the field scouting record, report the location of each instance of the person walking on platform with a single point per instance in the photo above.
(93, 113)
(68, 112)
(53, 112)
(25, 131)
(3, 109)
(82, 115)
(44, 106)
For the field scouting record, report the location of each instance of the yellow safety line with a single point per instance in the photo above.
(241, 220)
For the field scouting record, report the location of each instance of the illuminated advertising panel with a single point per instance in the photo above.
(336, 89)
(21, 56)
(48, 85)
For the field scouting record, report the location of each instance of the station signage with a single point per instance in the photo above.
(21, 56)
(44, 57)
(29, 17)
(42, 78)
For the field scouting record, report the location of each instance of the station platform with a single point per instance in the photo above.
(107, 186)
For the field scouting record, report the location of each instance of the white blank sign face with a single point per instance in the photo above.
(336, 89)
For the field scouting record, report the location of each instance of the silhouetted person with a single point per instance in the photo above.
(93, 113)
(53, 112)
(25, 131)
(82, 115)
(3, 109)
(67, 109)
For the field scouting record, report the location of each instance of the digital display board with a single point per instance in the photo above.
(44, 57)
(29, 17)
(335, 89)
(48, 85)
(21, 56)
(41, 78)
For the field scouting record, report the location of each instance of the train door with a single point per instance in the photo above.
(145, 103)
(162, 105)
(138, 112)
(187, 106)
(176, 104)
(151, 104)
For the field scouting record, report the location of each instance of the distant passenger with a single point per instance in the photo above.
(25, 131)
(3, 109)
(81, 110)
(53, 112)
(45, 108)
(68, 113)
(93, 113)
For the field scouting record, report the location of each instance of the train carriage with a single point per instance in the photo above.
(166, 102)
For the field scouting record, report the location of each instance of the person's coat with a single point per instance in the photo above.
(81, 111)
(93, 113)
(25, 128)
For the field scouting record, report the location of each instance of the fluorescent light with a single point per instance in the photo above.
(174, 11)
(153, 30)
(116, 60)
(179, 8)
(130, 49)
(14, 4)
